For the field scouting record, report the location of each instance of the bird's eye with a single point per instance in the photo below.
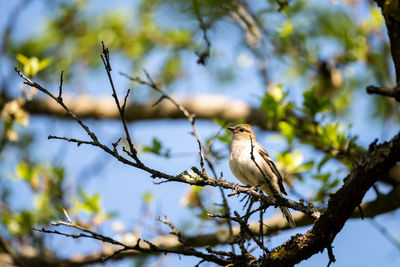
(241, 130)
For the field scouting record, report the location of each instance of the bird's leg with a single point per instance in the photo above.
(240, 187)
(250, 188)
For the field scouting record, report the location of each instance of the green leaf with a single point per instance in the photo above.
(323, 177)
(292, 162)
(157, 148)
(296, 158)
(58, 172)
(22, 59)
(323, 161)
(204, 214)
(226, 137)
(305, 167)
(271, 108)
(312, 104)
(31, 66)
(148, 197)
(286, 29)
(333, 184)
(44, 63)
(88, 203)
(287, 130)
(45, 208)
(23, 171)
(320, 195)
(220, 122)
(20, 223)
(377, 19)
(171, 69)
(179, 36)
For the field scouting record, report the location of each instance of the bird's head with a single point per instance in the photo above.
(242, 132)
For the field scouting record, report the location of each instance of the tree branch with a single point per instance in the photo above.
(204, 106)
(374, 165)
(121, 109)
(391, 11)
(385, 91)
(183, 177)
(382, 204)
(142, 246)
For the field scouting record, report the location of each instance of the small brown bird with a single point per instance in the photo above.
(246, 170)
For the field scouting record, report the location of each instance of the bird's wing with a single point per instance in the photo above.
(273, 168)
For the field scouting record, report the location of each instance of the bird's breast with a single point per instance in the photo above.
(242, 165)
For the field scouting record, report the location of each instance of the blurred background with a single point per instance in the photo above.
(302, 65)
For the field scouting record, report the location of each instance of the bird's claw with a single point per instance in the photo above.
(250, 189)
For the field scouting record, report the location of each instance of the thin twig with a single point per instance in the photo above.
(227, 211)
(29, 82)
(115, 145)
(105, 57)
(183, 178)
(331, 256)
(245, 227)
(86, 233)
(203, 56)
(60, 88)
(67, 216)
(125, 100)
(72, 140)
(191, 117)
(174, 231)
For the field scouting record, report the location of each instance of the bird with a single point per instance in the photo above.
(243, 166)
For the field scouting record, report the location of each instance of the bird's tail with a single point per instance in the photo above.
(288, 216)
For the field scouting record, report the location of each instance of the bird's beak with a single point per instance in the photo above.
(231, 129)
